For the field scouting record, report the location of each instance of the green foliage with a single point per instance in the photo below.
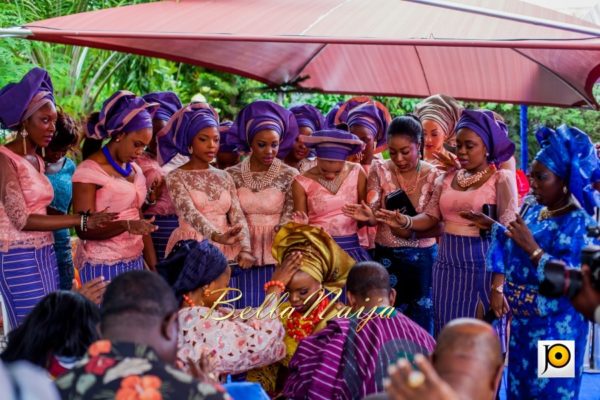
(84, 77)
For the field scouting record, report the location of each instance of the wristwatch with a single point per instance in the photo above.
(499, 289)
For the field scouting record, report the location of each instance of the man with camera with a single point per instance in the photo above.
(587, 300)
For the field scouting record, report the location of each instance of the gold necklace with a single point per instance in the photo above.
(412, 188)
(546, 213)
(465, 181)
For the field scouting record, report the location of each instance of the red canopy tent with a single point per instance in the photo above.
(380, 47)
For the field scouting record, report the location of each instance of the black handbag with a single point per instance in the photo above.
(398, 200)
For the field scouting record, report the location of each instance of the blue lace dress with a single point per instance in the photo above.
(535, 317)
(63, 195)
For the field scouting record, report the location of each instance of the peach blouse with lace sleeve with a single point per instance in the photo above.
(381, 182)
(265, 209)
(446, 202)
(23, 191)
(206, 202)
(240, 345)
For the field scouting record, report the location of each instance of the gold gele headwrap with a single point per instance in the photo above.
(323, 259)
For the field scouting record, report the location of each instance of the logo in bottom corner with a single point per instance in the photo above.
(556, 359)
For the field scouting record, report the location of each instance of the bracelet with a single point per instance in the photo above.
(536, 253)
(84, 223)
(279, 284)
(408, 224)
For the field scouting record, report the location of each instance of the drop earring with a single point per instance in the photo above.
(191, 150)
(24, 135)
(565, 190)
(43, 152)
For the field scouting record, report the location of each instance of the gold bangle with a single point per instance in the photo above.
(536, 253)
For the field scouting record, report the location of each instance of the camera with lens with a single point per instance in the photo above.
(562, 281)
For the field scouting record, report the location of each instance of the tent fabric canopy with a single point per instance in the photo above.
(377, 47)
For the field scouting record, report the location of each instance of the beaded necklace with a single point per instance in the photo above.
(333, 185)
(267, 179)
(125, 172)
(298, 327)
(465, 181)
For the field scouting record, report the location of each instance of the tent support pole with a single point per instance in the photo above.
(523, 124)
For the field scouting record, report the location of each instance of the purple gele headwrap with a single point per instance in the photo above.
(330, 117)
(123, 112)
(18, 101)
(177, 136)
(492, 132)
(309, 116)
(333, 144)
(168, 101)
(372, 117)
(224, 131)
(262, 115)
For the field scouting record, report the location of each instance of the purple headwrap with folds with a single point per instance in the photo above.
(123, 112)
(492, 132)
(330, 117)
(309, 116)
(570, 154)
(333, 144)
(192, 265)
(168, 101)
(176, 137)
(262, 115)
(224, 131)
(18, 101)
(373, 118)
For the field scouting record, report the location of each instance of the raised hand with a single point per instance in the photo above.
(394, 219)
(448, 160)
(141, 226)
(230, 236)
(522, 236)
(100, 219)
(93, 290)
(204, 367)
(360, 212)
(300, 217)
(404, 383)
(288, 268)
(245, 260)
(478, 219)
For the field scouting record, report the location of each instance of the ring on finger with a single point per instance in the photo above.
(415, 379)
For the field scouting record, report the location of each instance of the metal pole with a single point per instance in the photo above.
(510, 16)
(523, 125)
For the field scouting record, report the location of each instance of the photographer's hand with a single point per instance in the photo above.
(588, 299)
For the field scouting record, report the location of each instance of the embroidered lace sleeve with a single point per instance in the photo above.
(433, 206)
(240, 345)
(236, 214)
(285, 182)
(184, 205)
(506, 196)
(11, 194)
(374, 190)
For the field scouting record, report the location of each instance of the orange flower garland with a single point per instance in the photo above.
(298, 327)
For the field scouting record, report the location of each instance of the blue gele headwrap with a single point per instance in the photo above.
(570, 154)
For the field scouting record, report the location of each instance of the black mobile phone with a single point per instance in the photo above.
(398, 200)
(491, 210)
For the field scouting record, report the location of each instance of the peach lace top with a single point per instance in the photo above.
(121, 196)
(266, 209)
(325, 208)
(446, 202)
(23, 191)
(240, 345)
(153, 172)
(381, 182)
(206, 201)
